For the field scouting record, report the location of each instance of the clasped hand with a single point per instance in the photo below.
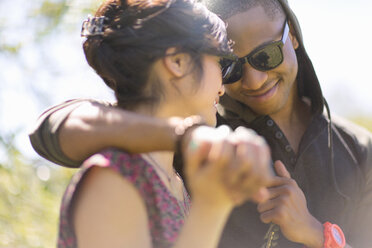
(226, 167)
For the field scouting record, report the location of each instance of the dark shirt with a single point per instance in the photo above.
(345, 200)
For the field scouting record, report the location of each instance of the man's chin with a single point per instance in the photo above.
(269, 110)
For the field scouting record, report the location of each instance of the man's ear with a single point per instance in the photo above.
(293, 36)
(178, 64)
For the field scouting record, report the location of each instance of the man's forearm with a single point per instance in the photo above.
(92, 127)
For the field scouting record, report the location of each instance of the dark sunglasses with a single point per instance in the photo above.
(264, 58)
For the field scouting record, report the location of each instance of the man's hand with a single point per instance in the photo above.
(287, 208)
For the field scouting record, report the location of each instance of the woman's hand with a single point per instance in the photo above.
(226, 168)
(251, 167)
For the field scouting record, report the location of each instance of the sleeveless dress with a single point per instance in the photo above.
(165, 213)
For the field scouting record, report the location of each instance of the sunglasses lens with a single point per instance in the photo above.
(225, 63)
(231, 72)
(267, 58)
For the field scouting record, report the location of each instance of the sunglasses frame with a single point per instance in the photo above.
(248, 58)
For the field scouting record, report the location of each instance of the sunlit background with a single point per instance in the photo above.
(42, 64)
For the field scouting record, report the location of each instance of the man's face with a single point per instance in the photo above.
(273, 91)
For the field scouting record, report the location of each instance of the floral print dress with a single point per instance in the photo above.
(165, 212)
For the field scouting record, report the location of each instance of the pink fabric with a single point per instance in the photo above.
(163, 209)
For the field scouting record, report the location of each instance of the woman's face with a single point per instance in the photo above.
(192, 94)
(210, 88)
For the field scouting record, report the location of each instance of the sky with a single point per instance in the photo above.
(337, 35)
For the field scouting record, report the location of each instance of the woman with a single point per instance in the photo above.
(161, 58)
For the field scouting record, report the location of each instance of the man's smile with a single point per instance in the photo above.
(263, 94)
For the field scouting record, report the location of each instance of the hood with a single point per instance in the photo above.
(308, 83)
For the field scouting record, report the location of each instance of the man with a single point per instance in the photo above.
(274, 90)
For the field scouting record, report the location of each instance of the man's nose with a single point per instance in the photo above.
(253, 79)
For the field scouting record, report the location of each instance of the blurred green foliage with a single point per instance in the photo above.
(363, 121)
(52, 13)
(30, 195)
(31, 189)
(12, 49)
(41, 18)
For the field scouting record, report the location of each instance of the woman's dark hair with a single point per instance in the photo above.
(122, 56)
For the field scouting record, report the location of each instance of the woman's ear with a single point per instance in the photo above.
(177, 64)
(293, 37)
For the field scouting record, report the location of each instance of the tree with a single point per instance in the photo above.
(30, 195)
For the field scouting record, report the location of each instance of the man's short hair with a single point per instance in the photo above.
(227, 8)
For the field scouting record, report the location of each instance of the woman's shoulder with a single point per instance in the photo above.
(132, 167)
(98, 182)
(107, 199)
(102, 183)
(109, 166)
